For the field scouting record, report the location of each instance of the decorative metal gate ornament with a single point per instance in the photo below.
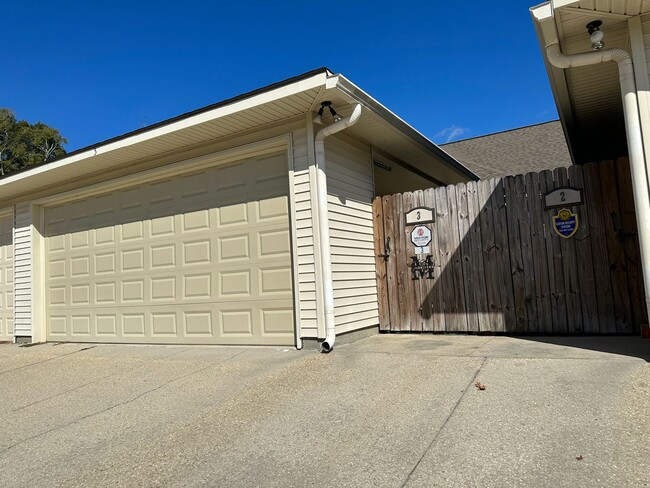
(421, 267)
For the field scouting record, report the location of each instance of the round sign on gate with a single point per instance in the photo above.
(421, 236)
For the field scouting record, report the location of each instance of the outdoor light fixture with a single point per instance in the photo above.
(319, 118)
(596, 35)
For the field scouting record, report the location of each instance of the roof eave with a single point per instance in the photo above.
(277, 90)
(87, 161)
(546, 29)
(353, 91)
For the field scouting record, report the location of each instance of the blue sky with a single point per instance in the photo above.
(98, 69)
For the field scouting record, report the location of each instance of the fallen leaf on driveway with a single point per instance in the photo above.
(579, 458)
(479, 385)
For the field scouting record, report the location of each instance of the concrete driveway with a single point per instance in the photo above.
(391, 410)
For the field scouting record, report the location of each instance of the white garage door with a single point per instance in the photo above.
(6, 278)
(196, 259)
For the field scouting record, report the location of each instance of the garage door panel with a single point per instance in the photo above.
(234, 283)
(234, 323)
(6, 278)
(197, 221)
(273, 243)
(276, 321)
(188, 271)
(274, 208)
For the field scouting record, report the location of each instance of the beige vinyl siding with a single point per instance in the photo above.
(6, 274)
(305, 239)
(350, 192)
(398, 179)
(23, 270)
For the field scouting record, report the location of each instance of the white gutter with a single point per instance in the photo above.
(640, 182)
(323, 223)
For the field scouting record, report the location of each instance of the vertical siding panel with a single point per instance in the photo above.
(501, 241)
(381, 264)
(424, 286)
(306, 279)
(585, 261)
(554, 257)
(391, 265)
(540, 260)
(435, 295)
(617, 264)
(526, 252)
(410, 285)
(459, 302)
(23, 270)
(494, 293)
(630, 239)
(401, 260)
(596, 221)
(569, 262)
(474, 209)
(513, 215)
(470, 280)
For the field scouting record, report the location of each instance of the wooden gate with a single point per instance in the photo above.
(498, 266)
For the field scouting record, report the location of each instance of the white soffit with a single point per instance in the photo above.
(589, 93)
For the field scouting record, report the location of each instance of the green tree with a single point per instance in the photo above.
(23, 144)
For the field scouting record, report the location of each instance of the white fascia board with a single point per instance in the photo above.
(544, 21)
(563, 3)
(315, 81)
(542, 11)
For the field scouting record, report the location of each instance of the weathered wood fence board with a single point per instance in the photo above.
(498, 265)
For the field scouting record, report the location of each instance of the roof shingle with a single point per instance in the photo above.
(518, 151)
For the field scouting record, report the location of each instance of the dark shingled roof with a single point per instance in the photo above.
(513, 152)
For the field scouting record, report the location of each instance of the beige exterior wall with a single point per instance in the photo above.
(351, 189)
(305, 236)
(23, 271)
(397, 179)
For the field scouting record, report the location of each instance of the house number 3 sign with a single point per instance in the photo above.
(419, 215)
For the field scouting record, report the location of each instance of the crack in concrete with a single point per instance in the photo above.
(444, 424)
(64, 392)
(108, 409)
(44, 360)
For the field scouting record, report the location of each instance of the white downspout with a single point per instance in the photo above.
(640, 182)
(323, 223)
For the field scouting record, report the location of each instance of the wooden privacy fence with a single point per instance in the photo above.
(498, 266)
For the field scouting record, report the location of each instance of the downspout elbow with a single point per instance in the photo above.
(340, 125)
(328, 287)
(560, 60)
